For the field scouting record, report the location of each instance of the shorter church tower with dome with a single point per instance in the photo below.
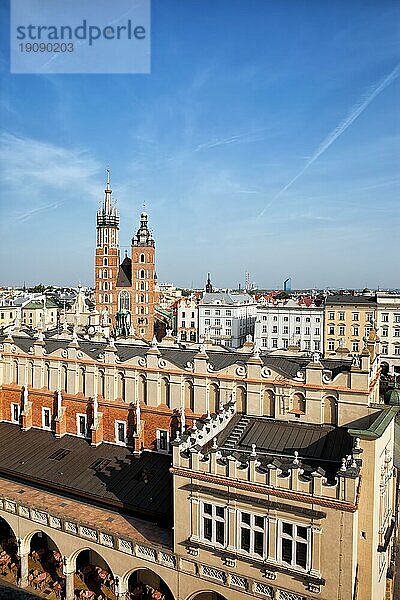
(125, 292)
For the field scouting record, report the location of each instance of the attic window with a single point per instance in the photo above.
(60, 454)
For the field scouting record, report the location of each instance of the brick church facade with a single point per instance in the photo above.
(125, 292)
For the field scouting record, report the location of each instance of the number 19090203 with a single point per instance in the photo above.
(46, 47)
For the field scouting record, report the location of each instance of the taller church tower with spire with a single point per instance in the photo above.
(107, 258)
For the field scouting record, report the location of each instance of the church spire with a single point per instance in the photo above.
(209, 287)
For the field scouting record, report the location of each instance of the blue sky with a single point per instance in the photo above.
(244, 97)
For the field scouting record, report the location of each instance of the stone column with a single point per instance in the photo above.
(24, 570)
(69, 584)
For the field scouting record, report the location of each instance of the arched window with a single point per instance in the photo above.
(142, 388)
(105, 274)
(64, 378)
(189, 394)
(124, 300)
(241, 399)
(102, 383)
(142, 274)
(213, 398)
(105, 261)
(105, 285)
(269, 404)
(142, 285)
(82, 381)
(121, 386)
(105, 250)
(15, 371)
(165, 392)
(330, 411)
(298, 404)
(142, 298)
(105, 298)
(142, 258)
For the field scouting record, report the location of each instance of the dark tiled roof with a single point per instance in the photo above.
(313, 442)
(349, 299)
(125, 273)
(140, 486)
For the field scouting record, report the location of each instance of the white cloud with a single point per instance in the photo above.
(34, 170)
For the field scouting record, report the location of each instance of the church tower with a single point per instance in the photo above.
(107, 258)
(143, 293)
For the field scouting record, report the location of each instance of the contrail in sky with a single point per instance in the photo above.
(30, 213)
(355, 112)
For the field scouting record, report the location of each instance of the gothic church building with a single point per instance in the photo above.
(125, 292)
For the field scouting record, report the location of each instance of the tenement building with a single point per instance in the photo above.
(198, 474)
(226, 318)
(348, 319)
(294, 322)
(388, 323)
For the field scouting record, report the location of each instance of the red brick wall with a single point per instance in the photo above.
(153, 418)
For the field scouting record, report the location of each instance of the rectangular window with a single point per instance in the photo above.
(252, 534)
(332, 316)
(15, 413)
(307, 344)
(162, 440)
(385, 317)
(356, 331)
(265, 342)
(228, 313)
(192, 324)
(317, 331)
(285, 343)
(297, 319)
(294, 545)
(331, 330)
(206, 321)
(274, 343)
(286, 319)
(213, 523)
(317, 345)
(183, 324)
(370, 317)
(120, 432)
(385, 332)
(397, 350)
(397, 332)
(331, 344)
(297, 330)
(81, 425)
(286, 330)
(206, 312)
(46, 418)
(341, 330)
(307, 331)
(355, 316)
(397, 318)
(217, 311)
(355, 347)
(228, 322)
(384, 349)
(275, 329)
(217, 321)
(341, 316)
(307, 319)
(229, 332)
(264, 329)
(183, 314)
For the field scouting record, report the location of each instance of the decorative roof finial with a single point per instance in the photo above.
(108, 177)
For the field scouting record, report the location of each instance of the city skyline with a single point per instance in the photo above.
(274, 153)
